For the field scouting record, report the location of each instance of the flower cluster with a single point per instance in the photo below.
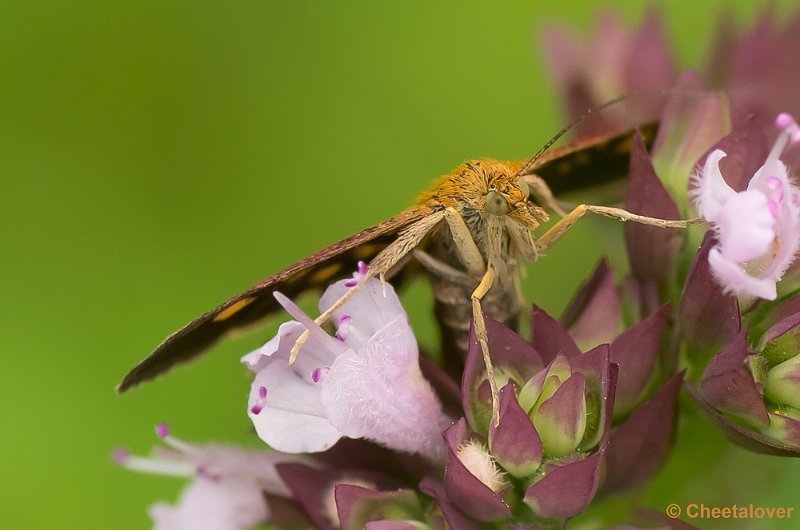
(553, 426)
(362, 430)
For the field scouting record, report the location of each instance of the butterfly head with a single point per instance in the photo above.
(488, 187)
(503, 193)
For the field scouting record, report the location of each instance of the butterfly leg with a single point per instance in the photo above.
(467, 249)
(443, 270)
(406, 241)
(528, 251)
(471, 257)
(542, 194)
(483, 338)
(558, 230)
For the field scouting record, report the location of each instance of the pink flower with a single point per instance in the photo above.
(228, 489)
(365, 383)
(758, 229)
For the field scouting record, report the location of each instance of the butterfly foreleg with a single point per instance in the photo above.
(523, 241)
(526, 249)
(483, 338)
(407, 240)
(542, 194)
(466, 248)
(558, 230)
(471, 257)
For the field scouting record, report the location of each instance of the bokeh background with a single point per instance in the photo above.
(156, 157)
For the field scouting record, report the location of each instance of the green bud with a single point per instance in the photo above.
(783, 383)
(561, 420)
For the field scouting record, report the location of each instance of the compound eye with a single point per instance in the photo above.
(524, 186)
(496, 203)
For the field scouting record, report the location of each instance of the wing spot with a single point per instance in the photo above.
(234, 308)
(563, 167)
(325, 273)
(367, 251)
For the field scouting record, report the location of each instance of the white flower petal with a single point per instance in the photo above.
(370, 308)
(213, 505)
(292, 418)
(312, 355)
(788, 238)
(734, 278)
(380, 394)
(228, 484)
(773, 181)
(712, 191)
(236, 463)
(278, 347)
(761, 178)
(745, 227)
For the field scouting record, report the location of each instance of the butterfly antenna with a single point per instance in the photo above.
(585, 115)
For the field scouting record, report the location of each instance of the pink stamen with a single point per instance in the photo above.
(343, 327)
(119, 455)
(162, 430)
(362, 268)
(789, 125)
(350, 283)
(202, 471)
(778, 195)
(261, 402)
(316, 375)
(784, 120)
(313, 328)
(774, 206)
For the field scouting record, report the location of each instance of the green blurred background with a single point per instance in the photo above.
(156, 157)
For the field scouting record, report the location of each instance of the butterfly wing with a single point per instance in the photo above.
(257, 302)
(573, 167)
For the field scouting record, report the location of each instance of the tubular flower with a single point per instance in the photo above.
(758, 229)
(228, 489)
(363, 383)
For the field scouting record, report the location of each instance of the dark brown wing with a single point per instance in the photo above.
(255, 303)
(590, 162)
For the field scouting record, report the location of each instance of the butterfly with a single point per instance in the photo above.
(475, 194)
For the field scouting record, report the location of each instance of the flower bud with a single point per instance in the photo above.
(783, 383)
(561, 419)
